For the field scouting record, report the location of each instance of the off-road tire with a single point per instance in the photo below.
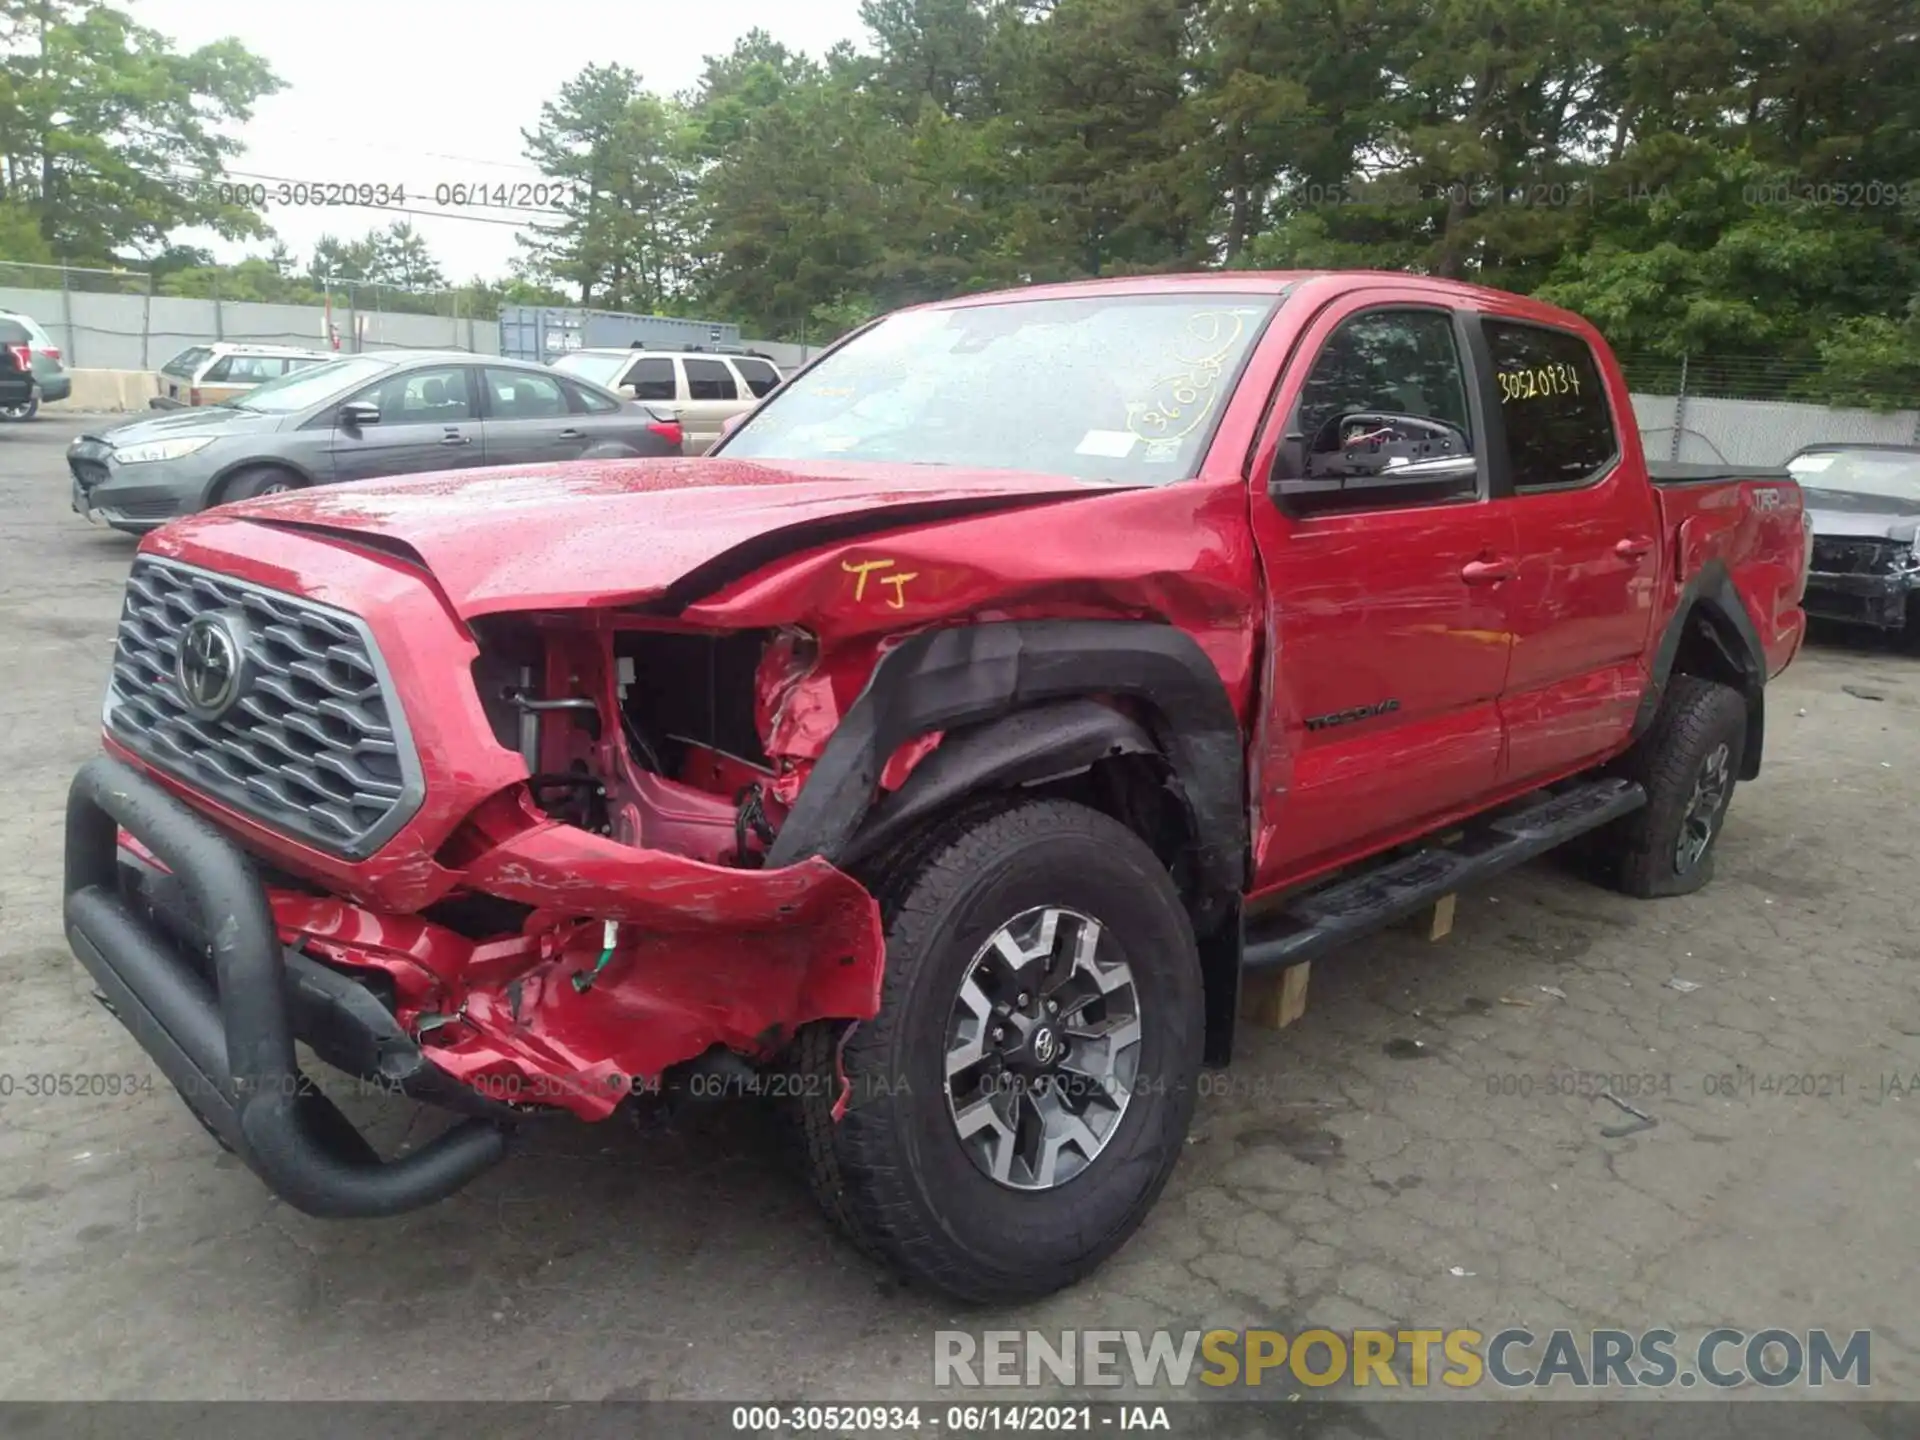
(891, 1172)
(1636, 854)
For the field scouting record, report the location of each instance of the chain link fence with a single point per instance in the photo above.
(124, 319)
(1758, 409)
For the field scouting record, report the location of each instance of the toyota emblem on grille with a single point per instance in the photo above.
(209, 668)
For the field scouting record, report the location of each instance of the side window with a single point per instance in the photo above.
(220, 370)
(653, 379)
(587, 402)
(710, 380)
(1553, 403)
(759, 375)
(1394, 362)
(246, 369)
(522, 395)
(423, 397)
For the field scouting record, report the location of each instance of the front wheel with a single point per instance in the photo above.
(258, 481)
(1020, 1100)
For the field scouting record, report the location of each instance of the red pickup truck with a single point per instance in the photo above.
(936, 755)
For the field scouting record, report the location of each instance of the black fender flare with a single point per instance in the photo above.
(970, 674)
(1711, 602)
(1041, 743)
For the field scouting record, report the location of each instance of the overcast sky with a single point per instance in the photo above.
(422, 92)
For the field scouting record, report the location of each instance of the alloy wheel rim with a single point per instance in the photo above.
(1702, 815)
(1043, 1048)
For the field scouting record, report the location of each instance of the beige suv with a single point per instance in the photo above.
(704, 388)
(208, 374)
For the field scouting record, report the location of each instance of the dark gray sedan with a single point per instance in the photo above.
(395, 413)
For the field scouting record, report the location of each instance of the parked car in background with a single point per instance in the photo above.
(357, 416)
(43, 358)
(209, 374)
(704, 388)
(1863, 505)
(19, 390)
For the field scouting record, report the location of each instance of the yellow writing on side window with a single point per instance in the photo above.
(1540, 383)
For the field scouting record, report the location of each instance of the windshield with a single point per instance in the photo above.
(311, 386)
(1111, 387)
(1889, 474)
(600, 369)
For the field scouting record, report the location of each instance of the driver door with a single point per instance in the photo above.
(1388, 642)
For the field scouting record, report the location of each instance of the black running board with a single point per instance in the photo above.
(1321, 920)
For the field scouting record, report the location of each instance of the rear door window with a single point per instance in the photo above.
(652, 378)
(1553, 406)
(523, 395)
(709, 380)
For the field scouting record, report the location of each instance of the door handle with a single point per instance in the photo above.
(452, 438)
(1486, 572)
(1634, 547)
(569, 434)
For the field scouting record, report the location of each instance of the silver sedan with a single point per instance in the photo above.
(392, 413)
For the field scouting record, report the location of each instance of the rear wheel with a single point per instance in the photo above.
(1688, 763)
(1019, 1102)
(25, 411)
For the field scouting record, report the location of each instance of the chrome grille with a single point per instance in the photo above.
(1858, 556)
(314, 746)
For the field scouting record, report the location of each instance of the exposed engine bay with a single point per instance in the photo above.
(649, 737)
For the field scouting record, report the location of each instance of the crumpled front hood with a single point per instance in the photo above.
(624, 531)
(1838, 514)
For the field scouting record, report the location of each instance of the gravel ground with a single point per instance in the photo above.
(1343, 1175)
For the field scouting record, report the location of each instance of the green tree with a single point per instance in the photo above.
(622, 241)
(108, 135)
(401, 258)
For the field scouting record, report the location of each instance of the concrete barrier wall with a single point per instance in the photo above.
(114, 391)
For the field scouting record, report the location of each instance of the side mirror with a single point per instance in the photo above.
(1376, 458)
(358, 413)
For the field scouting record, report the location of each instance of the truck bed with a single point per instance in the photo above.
(1681, 472)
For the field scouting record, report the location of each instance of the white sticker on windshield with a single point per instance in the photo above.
(1815, 463)
(1161, 452)
(1109, 444)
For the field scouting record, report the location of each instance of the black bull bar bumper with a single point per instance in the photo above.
(227, 1045)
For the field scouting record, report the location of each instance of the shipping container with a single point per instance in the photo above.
(545, 333)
